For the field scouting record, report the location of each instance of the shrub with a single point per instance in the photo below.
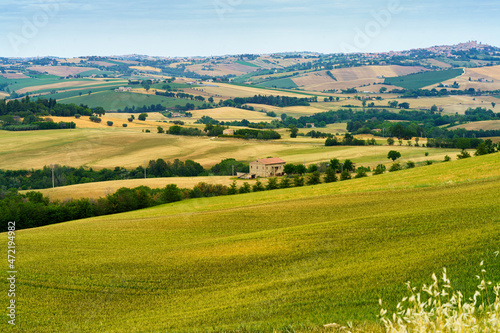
(440, 308)
(463, 154)
(447, 158)
(345, 175)
(395, 167)
(124, 125)
(110, 123)
(428, 162)
(314, 178)
(245, 188)
(257, 187)
(380, 169)
(298, 181)
(272, 184)
(410, 164)
(360, 173)
(285, 182)
(77, 116)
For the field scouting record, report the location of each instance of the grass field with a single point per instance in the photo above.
(113, 101)
(285, 260)
(245, 63)
(105, 147)
(79, 91)
(420, 80)
(280, 83)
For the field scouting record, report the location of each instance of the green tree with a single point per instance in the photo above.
(314, 178)
(447, 158)
(289, 169)
(245, 188)
(272, 184)
(171, 193)
(312, 168)
(393, 155)
(110, 123)
(124, 125)
(410, 165)
(330, 176)
(160, 130)
(298, 181)
(334, 164)
(349, 166)
(380, 169)
(233, 189)
(257, 187)
(293, 131)
(360, 173)
(382, 90)
(345, 175)
(300, 169)
(284, 182)
(143, 116)
(493, 104)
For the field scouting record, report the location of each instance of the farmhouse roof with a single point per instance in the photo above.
(269, 161)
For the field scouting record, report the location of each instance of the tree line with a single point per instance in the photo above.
(65, 175)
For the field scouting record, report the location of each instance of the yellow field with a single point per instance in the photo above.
(294, 111)
(353, 77)
(4, 94)
(101, 189)
(146, 68)
(106, 147)
(117, 119)
(438, 63)
(60, 70)
(71, 60)
(63, 84)
(226, 91)
(451, 104)
(480, 125)
(230, 114)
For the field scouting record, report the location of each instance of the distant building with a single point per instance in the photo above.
(310, 125)
(268, 167)
(123, 89)
(228, 131)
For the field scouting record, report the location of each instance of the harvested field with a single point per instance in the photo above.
(63, 84)
(490, 76)
(480, 125)
(231, 114)
(61, 70)
(14, 76)
(226, 91)
(101, 189)
(146, 69)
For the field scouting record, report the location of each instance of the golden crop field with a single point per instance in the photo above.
(490, 73)
(284, 260)
(60, 70)
(231, 114)
(105, 147)
(293, 111)
(451, 104)
(480, 125)
(146, 68)
(101, 189)
(226, 91)
(66, 84)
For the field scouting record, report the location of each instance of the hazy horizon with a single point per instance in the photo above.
(71, 28)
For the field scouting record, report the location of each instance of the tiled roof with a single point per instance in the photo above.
(268, 161)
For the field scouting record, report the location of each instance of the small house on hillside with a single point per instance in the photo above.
(268, 167)
(228, 131)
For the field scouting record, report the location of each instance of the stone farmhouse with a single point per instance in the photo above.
(268, 167)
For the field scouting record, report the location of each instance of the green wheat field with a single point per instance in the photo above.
(289, 260)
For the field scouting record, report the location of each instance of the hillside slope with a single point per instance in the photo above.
(296, 258)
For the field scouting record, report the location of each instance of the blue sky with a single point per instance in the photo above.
(217, 27)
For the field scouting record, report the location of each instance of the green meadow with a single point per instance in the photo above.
(420, 80)
(280, 83)
(111, 100)
(287, 260)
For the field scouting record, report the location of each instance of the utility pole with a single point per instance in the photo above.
(53, 180)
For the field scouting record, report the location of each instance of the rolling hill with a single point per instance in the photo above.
(285, 260)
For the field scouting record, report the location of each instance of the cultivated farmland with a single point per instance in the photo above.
(420, 80)
(296, 258)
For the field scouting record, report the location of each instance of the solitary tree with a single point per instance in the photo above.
(493, 104)
(143, 116)
(393, 155)
(160, 129)
(293, 131)
(390, 141)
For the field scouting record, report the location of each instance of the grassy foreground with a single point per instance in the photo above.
(288, 260)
